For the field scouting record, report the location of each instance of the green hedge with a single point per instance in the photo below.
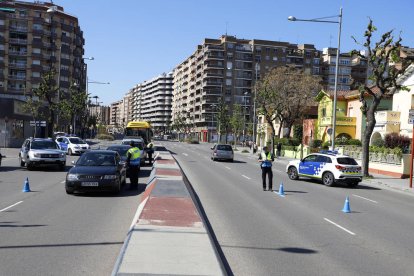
(105, 137)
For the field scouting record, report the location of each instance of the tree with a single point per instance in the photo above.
(237, 122)
(223, 119)
(384, 63)
(47, 92)
(179, 124)
(35, 107)
(284, 94)
(74, 106)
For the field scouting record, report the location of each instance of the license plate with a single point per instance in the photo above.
(89, 184)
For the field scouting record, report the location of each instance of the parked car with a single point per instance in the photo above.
(122, 150)
(327, 166)
(222, 152)
(72, 145)
(96, 170)
(41, 151)
(140, 144)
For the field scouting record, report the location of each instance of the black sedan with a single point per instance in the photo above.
(97, 170)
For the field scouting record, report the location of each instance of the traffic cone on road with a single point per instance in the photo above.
(281, 190)
(26, 186)
(347, 208)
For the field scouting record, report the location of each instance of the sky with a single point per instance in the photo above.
(132, 41)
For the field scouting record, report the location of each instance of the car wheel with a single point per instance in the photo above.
(69, 191)
(70, 152)
(293, 173)
(21, 162)
(353, 184)
(328, 179)
(30, 166)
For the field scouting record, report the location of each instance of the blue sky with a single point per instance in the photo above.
(133, 41)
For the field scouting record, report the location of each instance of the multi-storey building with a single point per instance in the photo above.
(223, 71)
(35, 38)
(151, 101)
(116, 111)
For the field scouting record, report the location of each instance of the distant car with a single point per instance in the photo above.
(122, 150)
(329, 167)
(140, 144)
(72, 145)
(96, 170)
(59, 134)
(222, 152)
(40, 151)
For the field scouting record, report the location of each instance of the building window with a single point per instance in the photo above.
(37, 14)
(230, 45)
(1, 22)
(36, 74)
(36, 51)
(275, 51)
(36, 62)
(315, 70)
(324, 112)
(344, 61)
(229, 65)
(274, 58)
(267, 58)
(228, 74)
(228, 81)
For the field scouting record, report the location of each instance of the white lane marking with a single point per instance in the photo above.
(185, 154)
(63, 182)
(366, 198)
(11, 206)
(228, 168)
(246, 176)
(339, 226)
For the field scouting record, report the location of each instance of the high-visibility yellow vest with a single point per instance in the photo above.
(267, 159)
(135, 156)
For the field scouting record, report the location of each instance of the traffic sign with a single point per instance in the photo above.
(38, 123)
(411, 116)
(329, 131)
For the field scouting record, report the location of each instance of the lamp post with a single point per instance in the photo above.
(244, 116)
(254, 108)
(339, 22)
(213, 106)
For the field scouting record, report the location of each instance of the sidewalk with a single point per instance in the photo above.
(377, 181)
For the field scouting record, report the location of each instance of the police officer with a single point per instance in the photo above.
(266, 158)
(150, 151)
(133, 163)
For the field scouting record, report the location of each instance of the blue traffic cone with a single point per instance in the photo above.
(346, 209)
(26, 187)
(281, 190)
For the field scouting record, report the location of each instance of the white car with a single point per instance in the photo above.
(328, 166)
(72, 145)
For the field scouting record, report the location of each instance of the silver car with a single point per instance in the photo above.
(39, 151)
(222, 152)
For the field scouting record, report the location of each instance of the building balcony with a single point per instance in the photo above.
(18, 41)
(20, 29)
(340, 121)
(16, 77)
(17, 53)
(17, 65)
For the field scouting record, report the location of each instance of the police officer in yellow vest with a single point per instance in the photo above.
(266, 158)
(133, 163)
(150, 151)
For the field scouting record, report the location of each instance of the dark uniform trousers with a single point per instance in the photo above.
(133, 176)
(267, 171)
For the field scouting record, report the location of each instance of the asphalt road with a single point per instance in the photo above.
(305, 232)
(47, 232)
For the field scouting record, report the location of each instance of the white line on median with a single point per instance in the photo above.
(185, 154)
(366, 198)
(10, 206)
(246, 176)
(339, 226)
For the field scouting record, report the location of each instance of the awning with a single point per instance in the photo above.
(8, 10)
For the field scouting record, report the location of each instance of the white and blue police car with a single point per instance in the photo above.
(329, 166)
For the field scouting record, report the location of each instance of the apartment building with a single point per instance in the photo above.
(225, 70)
(151, 101)
(35, 38)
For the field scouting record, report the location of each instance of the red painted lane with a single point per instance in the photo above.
(168, 172)
(165, 161)
(170, 211)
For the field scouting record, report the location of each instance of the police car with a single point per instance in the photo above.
(328, 166)
(72, 144)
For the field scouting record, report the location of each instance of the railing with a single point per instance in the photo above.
(17, 41)
(17, 65)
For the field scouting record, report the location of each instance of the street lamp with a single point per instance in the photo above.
(339, 22)
(213, 106)
(254, 108)
(244, 116)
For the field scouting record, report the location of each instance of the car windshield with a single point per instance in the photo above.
(76, 141)
(346, 161)
(121, 150)
(44, 145)
(138, 144)
(224, 147)
(97, 159)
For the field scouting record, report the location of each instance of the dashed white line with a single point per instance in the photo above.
(185, 154)
(11, 206)
(366, 198)
(246, 176)
(63, 182)
(339, 226)
(228, 168)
